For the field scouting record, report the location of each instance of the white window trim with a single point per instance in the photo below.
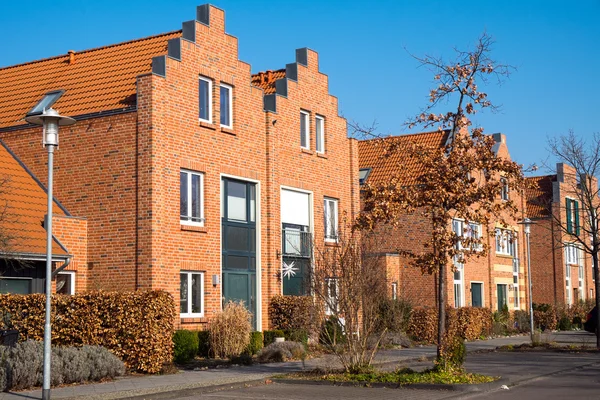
(505, 191)
(210, 100)
(571, 249)
(506, 245)
(464, 229)
(320, 141)
(189, 211)
(332, 301)
(335, 219)
(306, 133)
(482, 292)
(71, 275)
(230, 126)
(394, 290)
(189, 313)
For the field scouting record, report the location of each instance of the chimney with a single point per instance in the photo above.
(71, 57)
(269, 76)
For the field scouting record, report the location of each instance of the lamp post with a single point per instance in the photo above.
(527, 228)
(50, 120)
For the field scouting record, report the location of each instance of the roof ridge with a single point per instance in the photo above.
(92, 49)
(272, 70)
(541, 176)
(443, 131)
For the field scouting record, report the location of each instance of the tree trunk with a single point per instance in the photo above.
(441, 308)
(597, 291)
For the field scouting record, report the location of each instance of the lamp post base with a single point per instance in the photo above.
(45, 394)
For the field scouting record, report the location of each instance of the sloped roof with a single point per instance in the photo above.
(376, 155)
(23, 207)
(266, 80)
(538, 194)
(101, 79)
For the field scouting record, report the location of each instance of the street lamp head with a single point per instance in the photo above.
(526, 225)
(50, 119)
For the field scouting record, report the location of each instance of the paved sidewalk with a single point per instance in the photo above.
(142, 385)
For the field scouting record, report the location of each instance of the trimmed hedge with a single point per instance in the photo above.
(185, 346)
(256, 342)
(269, 336)
(135, 326)
(470, 322)
(204, 344)
(291, 312)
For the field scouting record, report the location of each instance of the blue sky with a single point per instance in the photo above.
(362, 46)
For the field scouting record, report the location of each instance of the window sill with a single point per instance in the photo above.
(193, 320)
(322, 155)
(307, 151)
(207, 125)
(504, 255)
(194, 228)
(229, 131)
(332, 243)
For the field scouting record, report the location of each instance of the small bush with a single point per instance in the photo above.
(282, 351)
(394, 315)
(520, 321)
(291, 312)
(21, 367)
(230, 331)
(256, 343)
(544, 316)
(332, 332)
(204, 343)
(269, 336)
(186, 346)
(296, 335)
(565, 324)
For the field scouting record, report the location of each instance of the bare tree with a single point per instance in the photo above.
(459, 180)
(349, 285)
(584, 157)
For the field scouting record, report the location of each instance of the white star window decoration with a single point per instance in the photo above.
(289, 270)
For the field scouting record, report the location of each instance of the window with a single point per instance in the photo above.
(15, 286)
(205, 99)
(46, 102)
(571, 254)
(191, 294)
(477, 294)
(330, 213)
(304, 130)
(506, 242)
(458, 285)
(65, 282)
(394, 291)
(320, 133)
(226, 98)
(516, 268)
(191, 197)
(572, 208)
(331, 300)
(504, 191)
(470, 230)
(363, 174)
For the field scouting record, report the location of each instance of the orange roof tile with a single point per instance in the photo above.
(23, 202)
(101, 79)
(375, 154)
(266, 80)
(538, 195)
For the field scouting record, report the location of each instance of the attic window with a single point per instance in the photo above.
(46, 102)
(363, 174)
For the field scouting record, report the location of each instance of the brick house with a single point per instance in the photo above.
(194, 175)
(493, 281)
(23, 208)
(561, 272)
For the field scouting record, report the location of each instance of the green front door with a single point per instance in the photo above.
(238, 224)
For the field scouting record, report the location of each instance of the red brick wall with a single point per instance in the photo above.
(72, 233)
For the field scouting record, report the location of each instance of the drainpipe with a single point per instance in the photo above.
(61, 268)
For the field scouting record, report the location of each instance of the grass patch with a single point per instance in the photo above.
(404, 376)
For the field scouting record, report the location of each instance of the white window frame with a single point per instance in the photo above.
(331, 302)
(465, 229)
(515, 284)
(71, 275)
(394, 291)
(306, 134)
(503, 243)
(189, 313)
(571, 254)
(327, 219)
(320, 138)
(230, 99)
(210, 99)
(504, 192)
(189, 200)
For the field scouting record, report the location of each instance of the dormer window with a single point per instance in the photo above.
(363, 174)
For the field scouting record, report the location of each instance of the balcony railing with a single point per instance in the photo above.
(296, 243)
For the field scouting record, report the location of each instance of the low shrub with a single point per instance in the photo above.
(185, 346)
(269, 336)
(394, 315)
(470, 322)
(135, 326)
(282, 351)
(204, 344)
(520, 321)
(256, 343)
(296, 335)
(332, 332)
(230, 330)
(291, 312)
(544, 316)
(21, 366)
(565, 324)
